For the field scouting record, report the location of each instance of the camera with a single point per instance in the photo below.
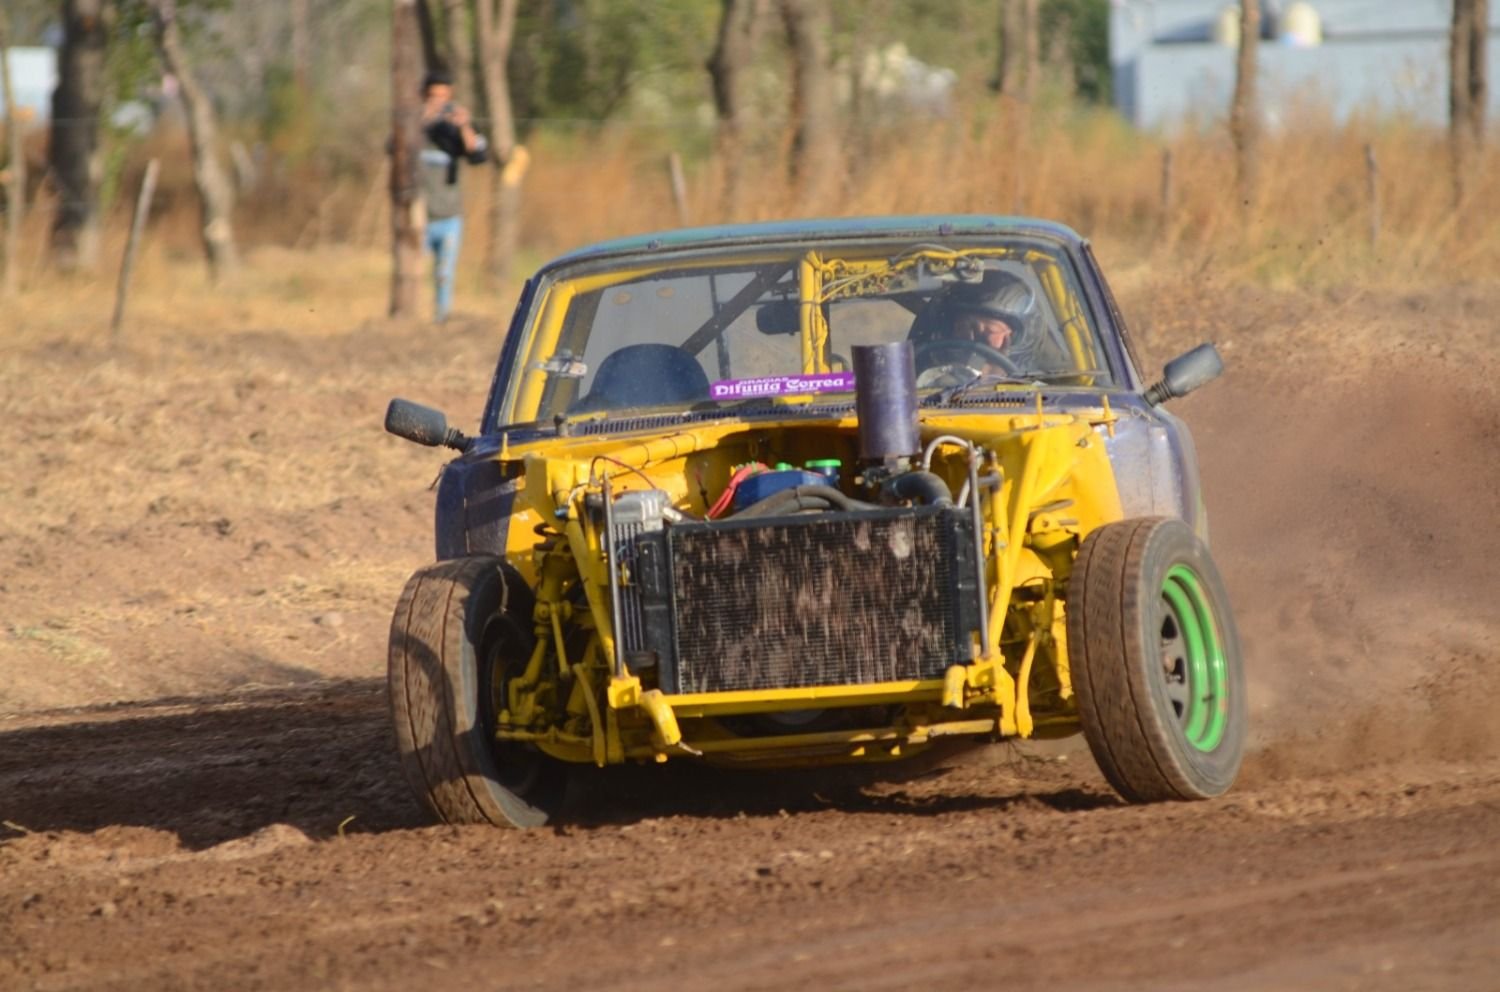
(442, 132)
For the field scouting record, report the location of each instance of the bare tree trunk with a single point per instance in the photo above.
(496, 24)
(459, 49)
(1020, 46)
(815, 149)
(215, 191)
(726, 68)
(1060, 53)
(15, 171)
(1468, 90)
(407, 210)
(73, 153)
(1007, 65)
(431, 57)
(859, 27)
(1033, 49)
(1479, 89)
(1459, 115)
(1244, 113)
(301, 59)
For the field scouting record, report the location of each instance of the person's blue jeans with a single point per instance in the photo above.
(443, 237)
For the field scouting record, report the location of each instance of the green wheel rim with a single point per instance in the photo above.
(1198, 681)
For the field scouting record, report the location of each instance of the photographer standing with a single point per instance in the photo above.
(448, 137)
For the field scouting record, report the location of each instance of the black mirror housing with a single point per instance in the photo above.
(422, 424)
(1186, 373)
(779, 317)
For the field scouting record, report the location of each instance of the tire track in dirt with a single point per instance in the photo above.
(210, 770)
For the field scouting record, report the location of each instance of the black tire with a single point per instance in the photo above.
(461, 628)
(1164, 718)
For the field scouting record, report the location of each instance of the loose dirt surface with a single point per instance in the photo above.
(202, 533)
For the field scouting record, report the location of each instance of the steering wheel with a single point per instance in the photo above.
(922, 352)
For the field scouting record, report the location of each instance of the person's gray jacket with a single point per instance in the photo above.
(442, 150)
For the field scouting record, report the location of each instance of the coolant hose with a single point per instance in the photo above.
(920, 487)
(804, 498)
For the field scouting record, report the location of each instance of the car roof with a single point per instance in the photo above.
(839, 228)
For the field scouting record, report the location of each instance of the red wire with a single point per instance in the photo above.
(740, 475)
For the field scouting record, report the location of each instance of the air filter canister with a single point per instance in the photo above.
(885, 401)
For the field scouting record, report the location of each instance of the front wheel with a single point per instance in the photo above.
(461, 628)
(1156, 662)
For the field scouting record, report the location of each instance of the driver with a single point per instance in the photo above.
(997, 312)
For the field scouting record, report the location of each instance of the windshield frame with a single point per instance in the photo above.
(541, 292)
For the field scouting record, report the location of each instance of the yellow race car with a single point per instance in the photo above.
(814, 492)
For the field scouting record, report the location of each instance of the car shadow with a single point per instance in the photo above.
(935, 783)
(321, 758)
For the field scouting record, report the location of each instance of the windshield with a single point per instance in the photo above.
(715, 331)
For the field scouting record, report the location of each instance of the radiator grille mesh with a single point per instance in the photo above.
(830, 600)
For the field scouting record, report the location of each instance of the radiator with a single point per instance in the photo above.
(849, 598)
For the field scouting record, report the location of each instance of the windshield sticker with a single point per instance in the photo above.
(782, 385)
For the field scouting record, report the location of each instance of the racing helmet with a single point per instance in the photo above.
(1003, 296)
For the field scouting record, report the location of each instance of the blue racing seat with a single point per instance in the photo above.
(644, 375)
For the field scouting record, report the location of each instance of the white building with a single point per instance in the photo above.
(1173, 60)
(33, 74)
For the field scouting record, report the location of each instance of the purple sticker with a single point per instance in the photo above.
(782, 385)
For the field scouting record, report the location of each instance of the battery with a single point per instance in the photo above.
(758, 487)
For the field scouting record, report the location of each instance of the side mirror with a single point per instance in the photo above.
(422, 424)
(1186, 373)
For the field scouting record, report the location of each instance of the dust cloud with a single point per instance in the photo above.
(1351, 472)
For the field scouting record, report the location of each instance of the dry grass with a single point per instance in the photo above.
(1311, 226)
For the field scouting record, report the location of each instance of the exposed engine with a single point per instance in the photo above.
(799, 583)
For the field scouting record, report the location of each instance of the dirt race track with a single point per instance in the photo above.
(204, 534)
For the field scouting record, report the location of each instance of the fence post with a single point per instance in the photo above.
(137, 224)
(15, 187)
(1166, 186)
(679, 187)
(1372, 185)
